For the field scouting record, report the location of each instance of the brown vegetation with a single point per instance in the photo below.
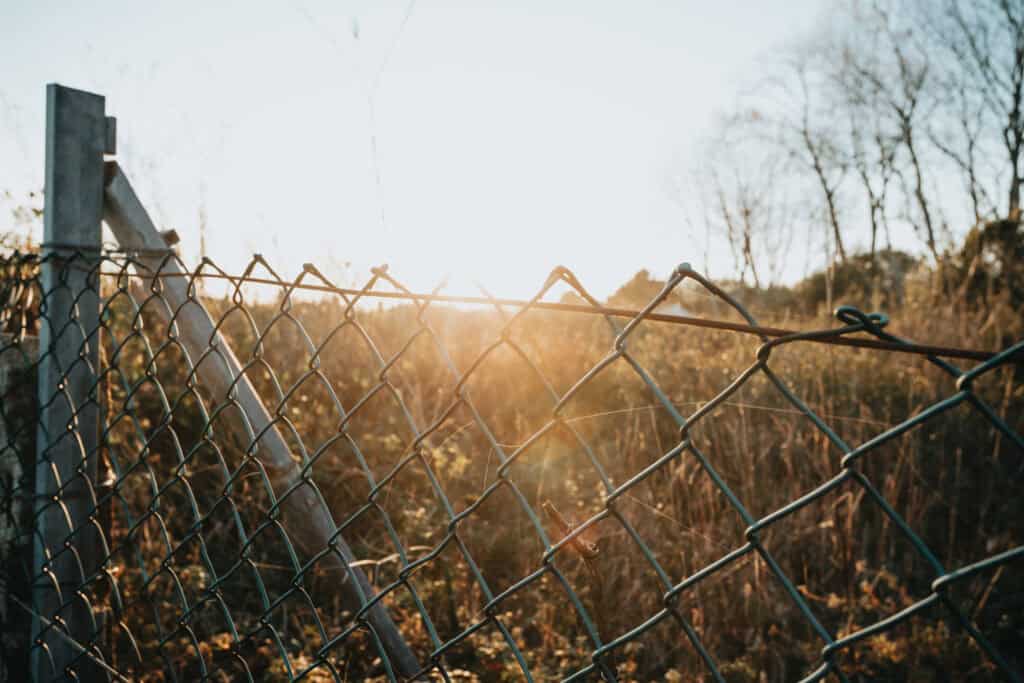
(207, 582)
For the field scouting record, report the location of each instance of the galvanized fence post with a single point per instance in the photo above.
(65, 547)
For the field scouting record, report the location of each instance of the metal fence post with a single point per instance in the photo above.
(66, 538)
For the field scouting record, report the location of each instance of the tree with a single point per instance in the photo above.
(876, 118)
(885, 70)
(822, 157)
(983, 46)
(744, 200)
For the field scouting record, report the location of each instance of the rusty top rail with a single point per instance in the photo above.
(614, 311)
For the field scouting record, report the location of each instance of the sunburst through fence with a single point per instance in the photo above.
(289, 480)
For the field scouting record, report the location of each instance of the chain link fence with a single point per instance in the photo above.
(216, 476)
(552, 490)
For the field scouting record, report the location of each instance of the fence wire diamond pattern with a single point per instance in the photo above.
(197, 560)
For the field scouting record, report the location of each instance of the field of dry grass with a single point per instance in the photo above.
(955, 480)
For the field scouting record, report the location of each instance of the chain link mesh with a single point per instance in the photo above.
(532, 494)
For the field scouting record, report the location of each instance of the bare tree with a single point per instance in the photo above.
(738, 229)
(903, 100)
(745, 200)
(824, 160)
(983, 45)
(891, 73)
(961, 141)
(872, 155)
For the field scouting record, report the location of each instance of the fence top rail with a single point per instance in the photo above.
(591, 307)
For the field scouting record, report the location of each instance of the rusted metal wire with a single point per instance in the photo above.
(613, 312)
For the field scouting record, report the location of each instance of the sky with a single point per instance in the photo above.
(478, 142)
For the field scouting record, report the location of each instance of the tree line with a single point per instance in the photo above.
(897, 125)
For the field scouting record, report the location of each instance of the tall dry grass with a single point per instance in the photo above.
(191, 535)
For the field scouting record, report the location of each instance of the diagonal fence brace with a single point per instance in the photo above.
(306, 515)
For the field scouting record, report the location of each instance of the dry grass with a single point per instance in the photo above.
(203, 582)
(954, 480)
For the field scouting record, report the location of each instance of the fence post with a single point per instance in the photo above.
(65, 547)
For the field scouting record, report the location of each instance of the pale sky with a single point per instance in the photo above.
(510, 137)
